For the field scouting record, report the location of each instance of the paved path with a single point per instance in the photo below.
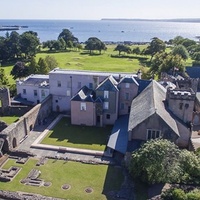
(30, 145)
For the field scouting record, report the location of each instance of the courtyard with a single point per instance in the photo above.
(74, 136)
(84, 181)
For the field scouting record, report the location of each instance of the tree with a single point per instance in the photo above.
(43, 68)
(19, 70)
(136, 51)
(181, 51)
(94, 43)
(3, 78)
(155, 46)
(166, 62)
(51, 62)
(122, 48)
(33, 66)
(67, 36)
(156, 162)
(29, 43)
(14, 43)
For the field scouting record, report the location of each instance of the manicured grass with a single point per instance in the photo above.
(104, 62)
(9, 119)
(83, 137)
(101, 178)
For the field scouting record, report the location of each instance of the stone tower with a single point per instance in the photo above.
(181, 103)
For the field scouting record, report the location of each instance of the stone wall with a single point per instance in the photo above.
(17, 131)
(15, 110)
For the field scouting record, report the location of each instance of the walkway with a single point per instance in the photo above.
(31, 144)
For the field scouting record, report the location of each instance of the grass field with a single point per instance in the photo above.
(83, 137)
(9, 119)
(101, 178)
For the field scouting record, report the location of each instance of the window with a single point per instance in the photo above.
(186, 106)
(24, 91)
(153, 134)
(91, 85)
(181, 106)
(105, 105)
(42, 93)
(83, 106)
(59, 83)
(122, 106)
(68, 93)
(79, 84)
(108, 116)
(35, 92)
(127, 85)
(127, 96)
(106, 94)
(56, 101)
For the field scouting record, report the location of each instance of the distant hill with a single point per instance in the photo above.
(191, 20)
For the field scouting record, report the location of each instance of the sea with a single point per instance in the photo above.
(107, 30)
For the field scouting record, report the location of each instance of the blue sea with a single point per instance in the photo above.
(107, 30)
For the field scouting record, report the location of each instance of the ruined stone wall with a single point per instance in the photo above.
(15, 132)
(4, 98)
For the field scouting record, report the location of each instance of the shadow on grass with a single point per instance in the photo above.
(79, 134)
(113, 181)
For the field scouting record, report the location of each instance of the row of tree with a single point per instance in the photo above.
(16, 46)
(43, 66)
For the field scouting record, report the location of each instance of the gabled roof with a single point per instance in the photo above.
(128, 79)
(193, 72)
(109, 84)
(148, 103)
(84, 94)
(142, 84)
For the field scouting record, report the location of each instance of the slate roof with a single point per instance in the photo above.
(35, 79)
(119, 136)
(84, 94)
(142, 84)
(109, 84)
(193, 72)
(148, 103)
(128, 79)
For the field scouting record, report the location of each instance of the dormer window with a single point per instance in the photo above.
(127, 85)
(106, 94)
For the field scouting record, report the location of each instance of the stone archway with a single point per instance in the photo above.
(14, 142)
(5, 148)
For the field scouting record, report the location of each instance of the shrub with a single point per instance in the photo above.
(178, 194)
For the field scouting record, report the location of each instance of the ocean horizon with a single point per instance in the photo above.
(107, 30)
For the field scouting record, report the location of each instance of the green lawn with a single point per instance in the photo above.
(102, 178)
(9, 119)
(83, 137)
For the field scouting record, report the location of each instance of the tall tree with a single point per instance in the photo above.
(181, 51)
(156, 162)
(19, 70)
(43, 68)
(122, 48)
(29, 43)
(67, 36)
(93, 44)
(3, 78)
(155, 46)
(51, 62)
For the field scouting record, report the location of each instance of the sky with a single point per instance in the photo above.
(98, 9)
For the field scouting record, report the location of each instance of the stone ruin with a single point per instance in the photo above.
(9, 175)
(4, 98)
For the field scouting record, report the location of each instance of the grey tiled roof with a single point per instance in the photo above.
(148, 103)
(193, 72)
(128, 79)
(36, 79)
(109, 84)
(84, 94)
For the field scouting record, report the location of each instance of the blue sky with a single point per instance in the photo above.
(97, 9)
